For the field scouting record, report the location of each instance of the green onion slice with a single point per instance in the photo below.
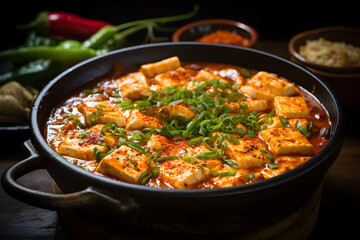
(271, 165)
(267, 154)
(303, 130)
(231, 163)
(145, 177)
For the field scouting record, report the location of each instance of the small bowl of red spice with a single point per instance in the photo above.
(223, 31)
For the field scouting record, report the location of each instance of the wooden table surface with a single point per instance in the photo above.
(339, 209)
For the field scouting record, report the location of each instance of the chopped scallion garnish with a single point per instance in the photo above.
(267, 154)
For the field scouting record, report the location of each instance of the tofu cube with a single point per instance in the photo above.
(193, 151)
(228, 181)
(81, 144)
(286, 141)
(171, 78)
(158, 142)
(252, 106)
(204, 75)
(286, 163)
(256, 93)
(138, 120)
(111, 140)
(271, 83)
(170, 111)
(255, 105)
(269, 173)
(247, 153)
(152, 69)
(124, 164)
(292, 161)
(71, 147)
(232, 74)
(101, 112)
(273, 122)
(136, 91)
(180, 174)
(134, 86)
(291, 107)
(303, 122)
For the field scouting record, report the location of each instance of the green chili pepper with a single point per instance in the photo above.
(107, 32)
(36, 73)
(159, 20)
(70, 44)
(109, 37)
(33, 39)
(118, 39)
(59, 54)
(100, 37)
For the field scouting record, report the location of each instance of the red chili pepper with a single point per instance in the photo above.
(65, 24)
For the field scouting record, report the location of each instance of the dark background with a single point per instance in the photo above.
(273, 20)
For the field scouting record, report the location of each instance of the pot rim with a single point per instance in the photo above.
(315, 161)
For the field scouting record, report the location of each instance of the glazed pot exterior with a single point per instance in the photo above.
(236, 210)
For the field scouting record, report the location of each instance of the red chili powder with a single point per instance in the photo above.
(225, 37)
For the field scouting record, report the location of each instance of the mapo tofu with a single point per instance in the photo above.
(189, 125)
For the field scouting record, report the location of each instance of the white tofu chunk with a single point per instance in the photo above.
(255, 105)
(273, 122)
(252, 106)
(71, 147)
(245, 155)
(124, 164)
(136, 91)
(171, 78)
(133, 86)
(204, 75)
(285, 163)
(81, 144)
(101, 112)
(170, 111)
(269, 173)
(158, 142)
(228, 181)
(152, 69)
(138, 120)
(193, 151)
(270, 83)
(232, 74)
(291, 107)
(247, 152)
(303, 122)
(256, 93)
(111, 140)
(180, 174)
(292, 161)
(286, 141)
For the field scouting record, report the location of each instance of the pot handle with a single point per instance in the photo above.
(52, 201)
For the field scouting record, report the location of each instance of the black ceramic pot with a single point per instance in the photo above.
(228, 211)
